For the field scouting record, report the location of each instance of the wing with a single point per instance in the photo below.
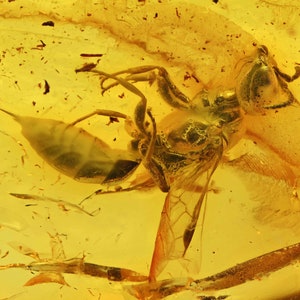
(272, 185)
(181, 210)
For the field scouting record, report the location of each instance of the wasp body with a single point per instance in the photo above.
(190, 142)
(180, 153)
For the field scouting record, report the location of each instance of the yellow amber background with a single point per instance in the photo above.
(239, 222)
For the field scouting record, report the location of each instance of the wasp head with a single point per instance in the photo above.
(261, 85)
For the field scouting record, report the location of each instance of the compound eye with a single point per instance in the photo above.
(263, 50)
(259, 87)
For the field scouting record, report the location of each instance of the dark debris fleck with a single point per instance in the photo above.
(47, 88)
(48, 23)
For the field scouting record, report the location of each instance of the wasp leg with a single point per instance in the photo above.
(136, 74)
(169, 91)
(155, 169)
(141, 186)
(101, 112)
(141, 107)
(286, 77)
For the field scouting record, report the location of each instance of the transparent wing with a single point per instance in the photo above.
(272, 184)
(181, 211)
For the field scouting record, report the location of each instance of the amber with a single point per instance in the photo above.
(62, 239)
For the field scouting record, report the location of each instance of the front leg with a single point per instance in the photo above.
(145, 138)
(168, 90)
(141, 107)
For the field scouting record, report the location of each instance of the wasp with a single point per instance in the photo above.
(180, 153)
